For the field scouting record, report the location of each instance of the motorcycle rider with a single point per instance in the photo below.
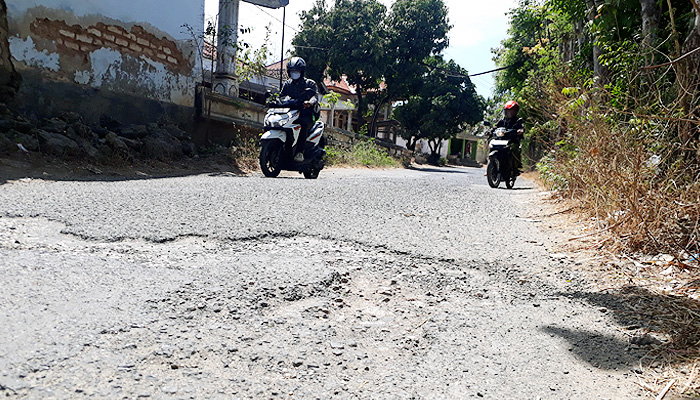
(296, 88)
(511, 121)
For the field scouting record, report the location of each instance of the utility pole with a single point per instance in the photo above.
(225, 78)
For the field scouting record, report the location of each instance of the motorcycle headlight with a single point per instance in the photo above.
(500, 132)
(272, 120)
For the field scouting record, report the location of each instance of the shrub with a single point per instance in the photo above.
(363, 153)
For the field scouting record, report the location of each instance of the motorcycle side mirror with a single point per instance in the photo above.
(487, 123)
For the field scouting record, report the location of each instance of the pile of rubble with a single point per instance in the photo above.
(68, 136)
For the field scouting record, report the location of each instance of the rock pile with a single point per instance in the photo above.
(69, 136)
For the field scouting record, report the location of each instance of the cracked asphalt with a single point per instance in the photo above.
(362, 284)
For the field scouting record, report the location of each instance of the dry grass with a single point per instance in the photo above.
(631, 181)
(628, 191)
(650, 295)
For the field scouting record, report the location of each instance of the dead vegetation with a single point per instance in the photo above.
(650, 284)
(624, 167)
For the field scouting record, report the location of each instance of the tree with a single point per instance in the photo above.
(313, 40)
(525, 32)
(9, 78)
(444, 105)
(650, 21)
(352, 35)
(696, 10)
(358, 39)
(416, 29)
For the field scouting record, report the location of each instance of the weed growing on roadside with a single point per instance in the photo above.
(361, 154)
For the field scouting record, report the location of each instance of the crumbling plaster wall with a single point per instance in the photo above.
(135, 47)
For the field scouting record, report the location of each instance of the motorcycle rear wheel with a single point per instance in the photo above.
(271, 158)
(510, 182)
(311, 173)
(492, 174)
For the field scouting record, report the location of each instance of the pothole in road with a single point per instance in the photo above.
(275, 315)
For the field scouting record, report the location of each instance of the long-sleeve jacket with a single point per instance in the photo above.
(296, 89)
(512, 123)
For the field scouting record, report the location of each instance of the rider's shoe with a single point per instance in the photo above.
(299, 157)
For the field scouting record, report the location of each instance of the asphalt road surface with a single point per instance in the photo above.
(362, 284)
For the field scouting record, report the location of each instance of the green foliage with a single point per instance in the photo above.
(363, 153)
(311, 43)
(352, 35)
(527, 31)
(444, 105)
(330, 99)
(417, 30)
(253, 61)
(547, 168)
(367, 44)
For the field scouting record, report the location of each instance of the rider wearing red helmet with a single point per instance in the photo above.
(511, 121)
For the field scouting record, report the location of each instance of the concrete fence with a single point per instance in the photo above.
(232, 113)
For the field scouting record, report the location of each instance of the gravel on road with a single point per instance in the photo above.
(363, 284)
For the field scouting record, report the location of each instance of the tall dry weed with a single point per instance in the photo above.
(631, 175)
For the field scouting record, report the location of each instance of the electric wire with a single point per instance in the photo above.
(275, 18)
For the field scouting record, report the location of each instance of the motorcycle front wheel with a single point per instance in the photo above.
(271, 158)
(492, 174)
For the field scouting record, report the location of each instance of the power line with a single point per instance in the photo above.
(453, 74)
(312, 47)
(275, 18)
(493, 70)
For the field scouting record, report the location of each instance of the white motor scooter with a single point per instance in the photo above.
(280, 138)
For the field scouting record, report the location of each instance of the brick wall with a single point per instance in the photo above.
(77, 40)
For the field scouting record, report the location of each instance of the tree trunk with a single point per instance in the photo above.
(650, 21)
(373, 126)
(598, 70)
(696, 5)
(689, 83)
(411, 143)
(361, 108)
(9, 78)
(434, 145)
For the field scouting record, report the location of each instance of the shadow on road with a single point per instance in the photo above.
(446, 169)
(516, 188)
(56, 169)
(642, 312)
(600, 351)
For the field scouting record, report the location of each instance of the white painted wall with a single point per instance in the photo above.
(422, 146)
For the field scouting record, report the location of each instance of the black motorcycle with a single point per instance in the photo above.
(500, 164)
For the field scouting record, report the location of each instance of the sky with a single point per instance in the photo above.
(478, 26)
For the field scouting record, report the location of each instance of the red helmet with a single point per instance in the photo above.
(511, 105)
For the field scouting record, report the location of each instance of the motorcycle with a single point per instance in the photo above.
(500, 163)
(281, 133)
